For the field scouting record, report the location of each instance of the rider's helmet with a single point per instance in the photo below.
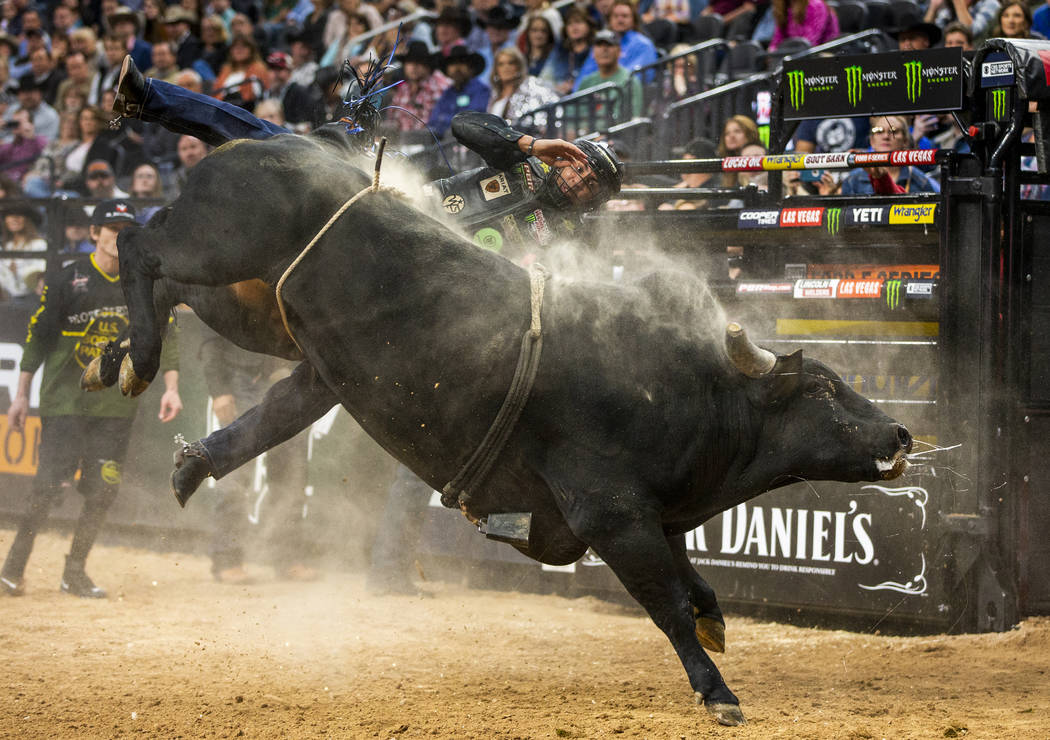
(586, 188)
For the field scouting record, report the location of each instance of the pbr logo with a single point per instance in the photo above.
(893, 294)
(833, 220)
(797, 88)
(853, 84)
(999, 104)
(913, 76)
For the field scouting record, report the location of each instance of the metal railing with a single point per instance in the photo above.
(594, 109)
(680, 75)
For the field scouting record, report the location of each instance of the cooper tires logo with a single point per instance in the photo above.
(853, 84)
(913, 76)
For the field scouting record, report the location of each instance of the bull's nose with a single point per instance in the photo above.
(904, 437)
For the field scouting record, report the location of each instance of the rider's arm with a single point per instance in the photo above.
(501, 146)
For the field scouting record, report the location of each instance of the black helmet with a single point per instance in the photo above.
(589, 193)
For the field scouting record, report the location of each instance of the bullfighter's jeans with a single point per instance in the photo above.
(212, 121)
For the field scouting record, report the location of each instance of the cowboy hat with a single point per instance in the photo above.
(461, 53)
(418, 51)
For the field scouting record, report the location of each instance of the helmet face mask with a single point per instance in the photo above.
(583, 188)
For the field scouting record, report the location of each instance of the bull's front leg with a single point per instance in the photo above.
(137, 274)
(623, 527)
(710, 624)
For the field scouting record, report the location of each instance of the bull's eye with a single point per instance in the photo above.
(814, 387)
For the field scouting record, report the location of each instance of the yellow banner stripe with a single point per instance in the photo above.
(857, 328)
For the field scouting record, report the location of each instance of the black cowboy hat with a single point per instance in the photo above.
(461, 53)
(10, 41)
(418, 51)
(930, 30)
(501, 17)
(456, 17)
(23, 209)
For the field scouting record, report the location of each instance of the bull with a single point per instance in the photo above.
(643, 420)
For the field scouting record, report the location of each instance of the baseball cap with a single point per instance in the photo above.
(99, 165)
(279, 60)
(607, 37)
(115, 210)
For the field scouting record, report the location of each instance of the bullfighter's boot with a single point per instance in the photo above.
(131, 90)
(77, 583)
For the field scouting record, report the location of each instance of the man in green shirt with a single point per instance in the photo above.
(606, 52)
(81, 310)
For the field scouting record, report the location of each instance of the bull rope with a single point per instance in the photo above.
(474, 472)
(373, 188)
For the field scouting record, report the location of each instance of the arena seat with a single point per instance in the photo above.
(708, 27)
(741, 27)
(879, 14)
(904, 13)
(745, 58)
(853, 16)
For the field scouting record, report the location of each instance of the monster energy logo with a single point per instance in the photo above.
(853, 84)
(797, 88)
(893, 293)
(999, 104)
(834, 220)
(913, 75)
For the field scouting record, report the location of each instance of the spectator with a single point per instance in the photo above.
(920, 35)
(544, 8)
(350, 46)
(146, 183)
(31, 98)
(336, 31)
(451, 28)
(538, 44)
(114, 51)
(84, 41)
(79, 77)
(23, 148)
(514, 90)
(696, 149)
(1014, 21)
(956, 34)
(811, 20)
(42, 70)
(413, 101)
(888, 134)
(635, 49)
(730, 10)
(191, 151)
(39, 180)
(480, 11)
(304, 68)
(498, 33)
(78, 233)
(101, 182)
(8, 52)
(679, 13)
(92, 146)
(164, 64)
(64, 20)
(81, 310)
(739, 131)
(300, 104)
(188, 48)
(976, 15)
(124, 24)
(573, 51)
(607, 53)
(21, 234)
(467, 91)
(1040, 21)
(244, 78)
(215, 43)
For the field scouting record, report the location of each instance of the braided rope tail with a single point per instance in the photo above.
(373, 188)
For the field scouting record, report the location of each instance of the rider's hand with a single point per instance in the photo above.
(554, 152)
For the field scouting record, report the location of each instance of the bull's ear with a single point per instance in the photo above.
(785, 376)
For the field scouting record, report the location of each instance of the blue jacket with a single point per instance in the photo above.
(474, 96)
(636, 50)
(912, 179)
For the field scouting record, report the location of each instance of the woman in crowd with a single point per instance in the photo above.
(574, 49)
(348, 46)
(154, 30)
(91, 146)
(1014, 21)
(38, 179)
(514, 90)
(146, 183)
(537, 44)
(683, 80)
(889, 134)
(812, 20)
(216, 41)
(738, 132)
(20, 234)
(244, 77)
(315, 25)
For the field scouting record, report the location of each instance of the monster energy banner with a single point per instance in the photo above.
(895, 82)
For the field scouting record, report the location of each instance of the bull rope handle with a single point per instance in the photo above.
(373, 188)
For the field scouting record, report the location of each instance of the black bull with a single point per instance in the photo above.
(640, 425)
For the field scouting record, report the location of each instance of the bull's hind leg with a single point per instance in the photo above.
(627, 534)
(710, 624)
(137, 273)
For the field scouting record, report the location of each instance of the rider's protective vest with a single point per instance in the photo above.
(500, 211)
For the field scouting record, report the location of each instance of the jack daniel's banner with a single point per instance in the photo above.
(867, 84)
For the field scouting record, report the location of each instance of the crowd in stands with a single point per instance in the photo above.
(283, 60)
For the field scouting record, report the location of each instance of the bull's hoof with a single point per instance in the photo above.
(725, 714)
(130, 383)
(711, 633)
(91, 378)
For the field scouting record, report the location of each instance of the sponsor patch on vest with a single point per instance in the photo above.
(495, 186)
(489, 238)
(510, 229)
(525, 172)
(538, 226)
(453, 203)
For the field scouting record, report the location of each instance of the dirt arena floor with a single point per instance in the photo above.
(174, 655)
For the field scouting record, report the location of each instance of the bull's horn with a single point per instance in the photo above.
(752, 361)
